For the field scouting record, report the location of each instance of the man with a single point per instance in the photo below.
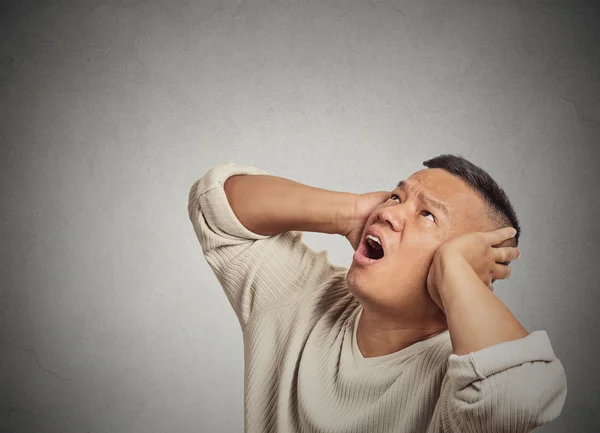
(410, 338)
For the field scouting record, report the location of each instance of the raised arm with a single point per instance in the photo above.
(250, 226)
(270, 205)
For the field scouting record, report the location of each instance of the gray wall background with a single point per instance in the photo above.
(110, 318)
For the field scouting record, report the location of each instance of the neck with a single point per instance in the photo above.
(378, 335)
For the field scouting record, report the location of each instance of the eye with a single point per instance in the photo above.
(425, 213)
(429, 214)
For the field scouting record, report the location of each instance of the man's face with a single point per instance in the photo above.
(413, 228)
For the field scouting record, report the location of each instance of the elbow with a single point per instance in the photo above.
(532, 394)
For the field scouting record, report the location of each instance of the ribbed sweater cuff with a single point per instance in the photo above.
(465, 369)
(216, 209)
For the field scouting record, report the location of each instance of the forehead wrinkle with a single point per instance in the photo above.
(403, 185)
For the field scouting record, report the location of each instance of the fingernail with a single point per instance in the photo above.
(514, 232)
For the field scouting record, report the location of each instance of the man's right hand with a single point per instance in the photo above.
(364, 205)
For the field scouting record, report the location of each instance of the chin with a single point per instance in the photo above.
(357, 284)
(364, 288)
(351, 280)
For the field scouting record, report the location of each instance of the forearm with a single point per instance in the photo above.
(476, 317)
(269, 205)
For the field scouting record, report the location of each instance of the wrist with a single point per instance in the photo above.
(345, 214)
(459, 282)
(451, 271)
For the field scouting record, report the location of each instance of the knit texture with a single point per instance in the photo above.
(304, 371)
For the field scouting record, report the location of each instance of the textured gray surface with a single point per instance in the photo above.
(111, 320)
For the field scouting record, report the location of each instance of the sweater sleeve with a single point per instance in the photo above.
(254, 270)
(511, 387)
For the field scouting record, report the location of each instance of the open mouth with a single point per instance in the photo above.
(373, 249)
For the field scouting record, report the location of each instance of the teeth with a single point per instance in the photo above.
(374, 238)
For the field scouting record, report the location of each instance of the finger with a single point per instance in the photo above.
(505, 254)
(496, 237)
(501, 272)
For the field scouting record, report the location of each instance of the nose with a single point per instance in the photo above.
(394, 216)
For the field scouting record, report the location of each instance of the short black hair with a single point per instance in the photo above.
(498, 206)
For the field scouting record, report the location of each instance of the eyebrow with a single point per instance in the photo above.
(433, 202)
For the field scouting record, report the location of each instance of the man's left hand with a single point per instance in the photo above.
(480, 252)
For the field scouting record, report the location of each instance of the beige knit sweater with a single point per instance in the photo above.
(304, 371)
